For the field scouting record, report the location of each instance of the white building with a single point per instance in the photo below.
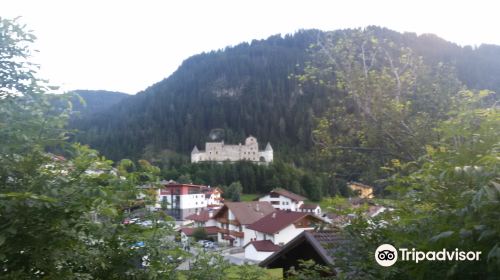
(285, 200)
(234, 218)
(310, 208)
(220, 152)
(181, 200)
(258, 251)
(204, 218)
(282, 226)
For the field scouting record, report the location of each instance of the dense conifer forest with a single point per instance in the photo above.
(283, 90)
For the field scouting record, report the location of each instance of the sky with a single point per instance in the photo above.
(126, 46)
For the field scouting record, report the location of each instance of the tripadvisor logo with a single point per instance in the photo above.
(387, 255)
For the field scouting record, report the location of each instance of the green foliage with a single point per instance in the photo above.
(94, 101)
(384, 102)
(248, 272)
(258, 178)
(233, 191)
(61, 216)
(17, 73)
(449, 198)
(209, 266)
(250, 89)
(309, 270)
(199, 234)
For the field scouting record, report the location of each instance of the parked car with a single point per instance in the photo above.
(146, 223)
(202, 242)
(209, 245)
(128, 221)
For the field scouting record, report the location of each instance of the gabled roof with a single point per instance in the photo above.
(288, 194)
(268, 147)
(247, 212)
(309, 206)
(203, 216)
(279, 220)
(361, 185)
(264, 246)
(323, 243)
(195, 150)
(209, 230)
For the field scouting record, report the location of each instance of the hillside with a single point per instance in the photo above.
(95, 101)
(248, 89)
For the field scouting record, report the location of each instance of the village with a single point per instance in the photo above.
(275, 230)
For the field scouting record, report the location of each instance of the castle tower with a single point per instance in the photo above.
(195, 155)
(268, 154)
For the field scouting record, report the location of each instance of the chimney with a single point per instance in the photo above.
(274, 215)
(210, 213)
(257, 207)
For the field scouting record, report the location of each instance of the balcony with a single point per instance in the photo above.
(227, 221)
(238, 234)
(224, 230)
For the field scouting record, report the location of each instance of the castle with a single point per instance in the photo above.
(218, 151)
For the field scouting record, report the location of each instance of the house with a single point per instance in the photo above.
(234, 218)
(283, 199)
(259, 250)
(282, 226)
(363, 191)
(309, 245)
(182, 200)
(204, 218)
(187, 232)
(213, 197)
(310, 208)
(220, 152)
(287, 200)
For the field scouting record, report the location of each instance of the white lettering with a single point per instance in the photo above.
(420, 256)
(441, 255)
(403, 251)
(430, 256)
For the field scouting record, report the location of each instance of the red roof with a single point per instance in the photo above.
(288, 194)
(247, 212)
(203, 216)
(209, 230)
(278, 220)
(264, 246)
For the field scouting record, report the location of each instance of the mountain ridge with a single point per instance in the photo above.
(246, 89)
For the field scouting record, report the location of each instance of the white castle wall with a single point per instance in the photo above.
(218, 151)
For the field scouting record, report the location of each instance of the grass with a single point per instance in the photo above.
(274, 274)
(248, 196)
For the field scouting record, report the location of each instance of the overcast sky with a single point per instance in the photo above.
(129, 45)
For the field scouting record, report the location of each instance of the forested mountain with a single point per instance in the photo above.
(95, 101)
(255, 88)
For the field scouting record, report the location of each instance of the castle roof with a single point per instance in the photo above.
(195, 150)
(268, 147)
